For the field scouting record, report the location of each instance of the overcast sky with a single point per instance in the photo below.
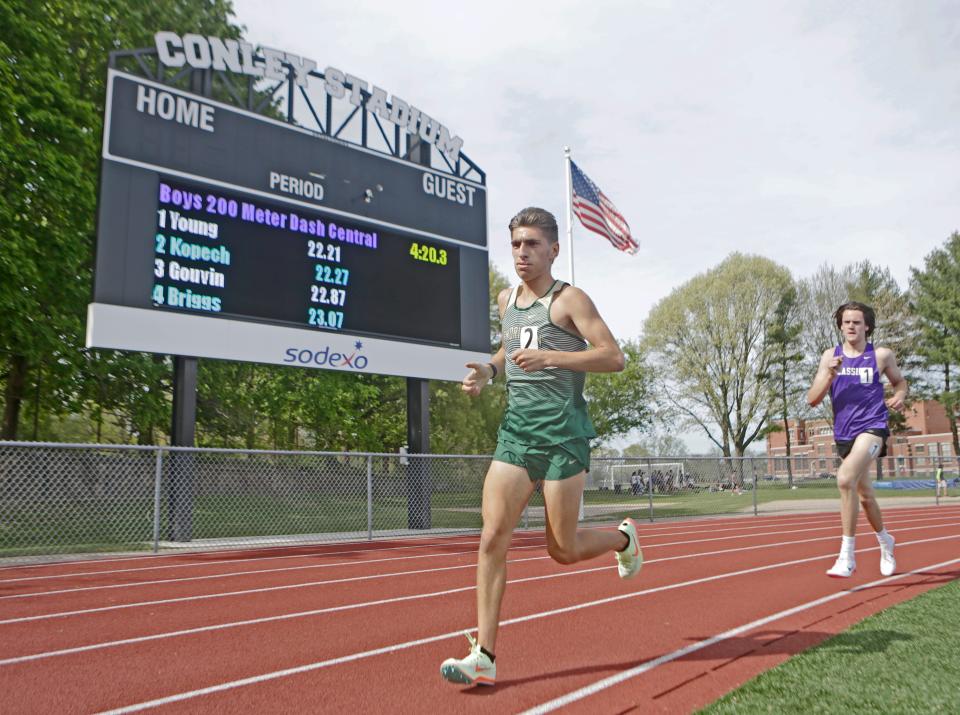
(806, 132)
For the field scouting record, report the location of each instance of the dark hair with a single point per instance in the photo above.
(869, 317)
(532, 217)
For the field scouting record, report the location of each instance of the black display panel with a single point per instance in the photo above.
(230, 254)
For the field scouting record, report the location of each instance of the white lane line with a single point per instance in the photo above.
(818, 518)
(415, 542)
(267, 589)
(709, 526)
(762, 522)
(264, 677)
(420, 596)
(832, 526)
(218, 562)
(520, 536)
(249, 548)
(609, 682)
(471, 565)
(256, 572)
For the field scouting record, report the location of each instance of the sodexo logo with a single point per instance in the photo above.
(325, 358)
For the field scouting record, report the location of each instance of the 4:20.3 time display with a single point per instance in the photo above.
(428, 254)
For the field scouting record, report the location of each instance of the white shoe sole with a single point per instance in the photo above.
(888, 566)
(834, 572)
(453, 673)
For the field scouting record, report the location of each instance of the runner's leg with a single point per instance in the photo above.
(852, 471)
(565, 543)
(506, 490)
(868, 500)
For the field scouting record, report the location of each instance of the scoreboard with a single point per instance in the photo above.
(227, 234)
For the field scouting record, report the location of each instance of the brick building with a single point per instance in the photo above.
(925, 442)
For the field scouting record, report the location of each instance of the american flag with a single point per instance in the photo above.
(598, 214)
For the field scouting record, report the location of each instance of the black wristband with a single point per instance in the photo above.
(494, 368)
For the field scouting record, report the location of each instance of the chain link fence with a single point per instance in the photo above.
(59, 499)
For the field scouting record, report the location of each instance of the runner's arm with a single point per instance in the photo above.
(888, 366)
(826, 371)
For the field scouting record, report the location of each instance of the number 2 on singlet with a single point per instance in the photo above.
(529, 338)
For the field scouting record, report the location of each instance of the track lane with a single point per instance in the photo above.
(90, 581)
(695, 675)
(28, 602)
(295, 645)
(110, 622)
(543, 662)
(22, 605)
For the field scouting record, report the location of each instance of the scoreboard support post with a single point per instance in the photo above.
(418, 442)
(182, 464)
(184, 409)
(418, 410)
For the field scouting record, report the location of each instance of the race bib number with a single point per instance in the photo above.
(866, 375)
(529, 338)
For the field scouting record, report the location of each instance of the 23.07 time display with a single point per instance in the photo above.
(232, 255)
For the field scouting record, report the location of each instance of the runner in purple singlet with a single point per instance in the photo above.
(850, 372)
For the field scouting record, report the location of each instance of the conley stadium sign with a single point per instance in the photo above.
(201, 52)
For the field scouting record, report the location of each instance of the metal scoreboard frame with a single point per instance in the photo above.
(259, 216)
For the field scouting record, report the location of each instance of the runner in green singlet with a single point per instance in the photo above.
(546, 431)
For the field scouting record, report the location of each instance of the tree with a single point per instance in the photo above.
(707, 343)
(230, 403)
(620, 402)
(818, 297)
(785, 384)
(935, 293)
(657, 445)
(47, 183)
(876, 286)
(132, 387)
(53, 57)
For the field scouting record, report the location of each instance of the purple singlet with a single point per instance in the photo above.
(857, 396)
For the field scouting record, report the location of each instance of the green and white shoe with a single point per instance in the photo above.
(630, 559)
(475, 669)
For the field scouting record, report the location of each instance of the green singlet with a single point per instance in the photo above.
(545, 407)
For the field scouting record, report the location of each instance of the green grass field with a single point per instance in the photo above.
(903, 660)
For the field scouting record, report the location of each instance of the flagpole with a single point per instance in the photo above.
(566, 163)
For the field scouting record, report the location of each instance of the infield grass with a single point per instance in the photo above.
(902, 660)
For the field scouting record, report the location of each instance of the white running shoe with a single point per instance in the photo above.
(475, 669)
(630, 559)
(843, 568)
(888, 564)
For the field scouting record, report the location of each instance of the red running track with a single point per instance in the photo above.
(364, 627)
